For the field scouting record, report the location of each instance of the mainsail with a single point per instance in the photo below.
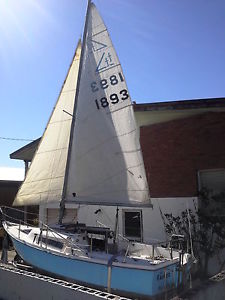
(105, 162)
(91, 154)
(45, 177)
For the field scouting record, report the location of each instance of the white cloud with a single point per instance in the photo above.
(11, 173)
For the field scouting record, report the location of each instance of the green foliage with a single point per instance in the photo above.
(204, 227)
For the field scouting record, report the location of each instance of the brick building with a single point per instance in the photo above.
(176, 152)
(183, 144)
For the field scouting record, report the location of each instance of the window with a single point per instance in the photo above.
(132, 225)
(212, 188)
(212, 180)
(53, 243)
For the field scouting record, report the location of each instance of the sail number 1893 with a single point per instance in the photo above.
(113, 98)
(104, 83)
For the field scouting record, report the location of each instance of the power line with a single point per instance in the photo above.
(15, 139)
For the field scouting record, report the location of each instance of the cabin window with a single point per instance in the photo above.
(53, 243)
(132, 225)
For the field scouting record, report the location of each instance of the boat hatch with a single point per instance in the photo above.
(26, 231)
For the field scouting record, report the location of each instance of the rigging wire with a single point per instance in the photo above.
(15, 139)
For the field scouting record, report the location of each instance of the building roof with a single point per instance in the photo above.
(181, 104)
(26, 152)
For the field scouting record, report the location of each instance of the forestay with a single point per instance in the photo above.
(105, 162)
(45, 178)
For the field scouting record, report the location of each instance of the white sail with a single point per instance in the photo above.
(45, 178)
(105, 163)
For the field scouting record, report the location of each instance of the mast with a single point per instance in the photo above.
(116, 225)
(62, 203)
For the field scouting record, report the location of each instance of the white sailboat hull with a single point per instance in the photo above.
(128, 277)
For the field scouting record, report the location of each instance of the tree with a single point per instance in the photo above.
(203, 228)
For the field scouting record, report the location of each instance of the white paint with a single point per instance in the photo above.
(145, 118)
(153, 227)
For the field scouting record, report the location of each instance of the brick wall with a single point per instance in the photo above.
(8, 190)
(174, 151)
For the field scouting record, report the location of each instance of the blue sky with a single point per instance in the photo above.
(169, 50)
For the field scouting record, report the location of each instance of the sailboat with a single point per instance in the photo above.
(90, 155)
